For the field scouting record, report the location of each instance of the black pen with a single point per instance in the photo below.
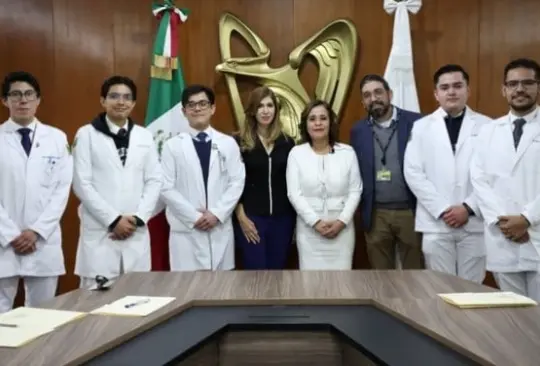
(9, 325)
(139, 302)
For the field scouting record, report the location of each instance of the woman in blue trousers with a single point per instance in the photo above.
(265, 218)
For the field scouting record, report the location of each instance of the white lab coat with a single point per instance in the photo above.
(507, 182)
(34, 191)
(324, 187)
(439, 178)
(184, 195)
(107, 189)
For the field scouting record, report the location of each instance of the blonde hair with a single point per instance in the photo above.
(248, 132)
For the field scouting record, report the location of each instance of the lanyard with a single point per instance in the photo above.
(387, 145)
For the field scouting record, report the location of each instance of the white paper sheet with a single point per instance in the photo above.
(134, 306)
(487, 299)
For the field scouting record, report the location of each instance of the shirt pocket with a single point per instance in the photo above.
(49, 166)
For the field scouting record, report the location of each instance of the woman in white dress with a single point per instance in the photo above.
(324, 186)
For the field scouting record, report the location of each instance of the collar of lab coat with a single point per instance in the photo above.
(440, 112)
(113, 127)
(470, 116)
(100, 124)
(209, 131)
(12, 126)
(528, 117)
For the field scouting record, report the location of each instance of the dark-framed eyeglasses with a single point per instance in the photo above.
(202, 104)
(17, 95)
(526, 83)
(102, 283)
(128, 97)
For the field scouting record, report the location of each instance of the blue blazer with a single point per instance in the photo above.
(362, 142)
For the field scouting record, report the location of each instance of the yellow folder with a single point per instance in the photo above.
(24, 324)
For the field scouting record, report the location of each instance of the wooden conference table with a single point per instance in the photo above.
(320, 318)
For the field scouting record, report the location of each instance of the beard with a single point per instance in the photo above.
(380, 111)
(528, 105)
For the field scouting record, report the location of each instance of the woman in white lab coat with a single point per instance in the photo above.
(324, 186)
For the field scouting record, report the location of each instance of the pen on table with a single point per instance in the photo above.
(9, 325)
(140, 302)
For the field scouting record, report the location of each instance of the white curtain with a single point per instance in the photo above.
(399, 69)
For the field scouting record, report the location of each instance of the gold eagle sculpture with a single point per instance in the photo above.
(334, 48)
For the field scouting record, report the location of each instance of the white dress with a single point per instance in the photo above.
(324, 187)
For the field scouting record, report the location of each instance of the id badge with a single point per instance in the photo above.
(384, 175)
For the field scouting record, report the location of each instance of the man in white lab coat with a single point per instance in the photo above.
(203, 181)
(35, 178)
(437, 164)
(506, 178)
(118, 178)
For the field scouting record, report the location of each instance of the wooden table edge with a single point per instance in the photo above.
(377, 303)
(432, 334)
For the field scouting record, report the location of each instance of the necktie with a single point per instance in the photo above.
(518, 131)
(122, 150)
(25, 139)
(201, 136)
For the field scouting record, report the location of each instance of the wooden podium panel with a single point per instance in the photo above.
(482, 336)
(302, 348)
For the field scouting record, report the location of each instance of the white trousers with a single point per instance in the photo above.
(90, 282)
(188, 253)
(522, 283)
(36, 291)
(458, 253)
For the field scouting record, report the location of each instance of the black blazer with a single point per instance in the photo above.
(264, 195)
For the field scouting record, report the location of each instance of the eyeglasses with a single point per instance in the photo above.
(101, 283)
(202, 104)
(117, 96)
(17, 95)
(527, 83)
(379, 92)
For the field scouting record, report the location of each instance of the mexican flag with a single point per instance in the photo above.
(164, 115)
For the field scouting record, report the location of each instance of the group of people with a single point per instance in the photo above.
(470, 184)
(453, 191)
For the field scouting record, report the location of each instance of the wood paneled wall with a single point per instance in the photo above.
(73, 45)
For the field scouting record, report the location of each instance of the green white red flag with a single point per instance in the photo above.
(164, 116)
